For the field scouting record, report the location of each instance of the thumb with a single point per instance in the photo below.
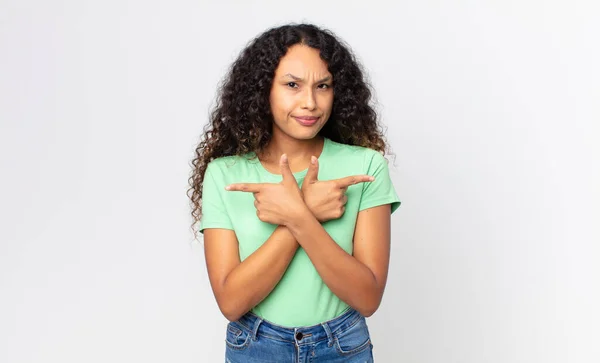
(313, 171)
(286, 172)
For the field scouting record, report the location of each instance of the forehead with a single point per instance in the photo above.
(300, 60)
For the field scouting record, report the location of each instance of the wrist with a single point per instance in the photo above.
(299, 219)
(309, 206)
(285, 235)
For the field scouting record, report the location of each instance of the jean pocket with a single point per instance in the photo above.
(237, 337)
(355, 339)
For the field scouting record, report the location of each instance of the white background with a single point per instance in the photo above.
(492, 110)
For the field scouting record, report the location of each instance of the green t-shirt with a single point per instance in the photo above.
(301, 298)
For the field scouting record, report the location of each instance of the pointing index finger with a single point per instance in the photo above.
(244, 187)
(355, 179)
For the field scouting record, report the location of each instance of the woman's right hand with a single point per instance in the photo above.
(327, 199)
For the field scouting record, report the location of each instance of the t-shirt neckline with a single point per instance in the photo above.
(298, 174)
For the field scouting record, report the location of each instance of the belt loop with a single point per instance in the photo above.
(257, 323)
(329, 334)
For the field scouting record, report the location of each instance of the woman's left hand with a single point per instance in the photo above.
(327, 199)
(276, 203)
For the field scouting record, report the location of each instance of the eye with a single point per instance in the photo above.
(292, 84)
(324, 86)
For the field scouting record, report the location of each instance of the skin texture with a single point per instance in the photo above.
(357, 279)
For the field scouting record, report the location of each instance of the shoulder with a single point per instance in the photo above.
(355, 154)
(229, 164)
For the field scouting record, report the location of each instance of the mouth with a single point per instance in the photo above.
(306, 120)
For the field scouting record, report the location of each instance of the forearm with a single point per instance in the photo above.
(348, 278)
(255, 277)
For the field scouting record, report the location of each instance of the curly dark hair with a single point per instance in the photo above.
(241, 121)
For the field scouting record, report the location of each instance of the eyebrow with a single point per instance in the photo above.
(300, 79)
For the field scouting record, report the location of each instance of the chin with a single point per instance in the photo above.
(306, 135)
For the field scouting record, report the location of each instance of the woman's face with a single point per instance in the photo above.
(301, 94)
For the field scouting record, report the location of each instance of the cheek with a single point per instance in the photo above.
(281, 105)
(326, 102)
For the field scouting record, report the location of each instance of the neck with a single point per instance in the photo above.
(297, 151)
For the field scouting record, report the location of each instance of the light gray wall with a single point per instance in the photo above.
(492, 112)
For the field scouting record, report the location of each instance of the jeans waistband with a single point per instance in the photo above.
(258, 327)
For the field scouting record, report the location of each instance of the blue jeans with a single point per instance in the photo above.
(343, 339)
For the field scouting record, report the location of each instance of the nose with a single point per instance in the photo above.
(309, 100)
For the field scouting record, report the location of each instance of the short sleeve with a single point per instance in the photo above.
(214, 214)
(380, 191)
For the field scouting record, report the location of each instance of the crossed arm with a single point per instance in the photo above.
(358, 279)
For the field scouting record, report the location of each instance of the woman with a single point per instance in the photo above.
(294, 198)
